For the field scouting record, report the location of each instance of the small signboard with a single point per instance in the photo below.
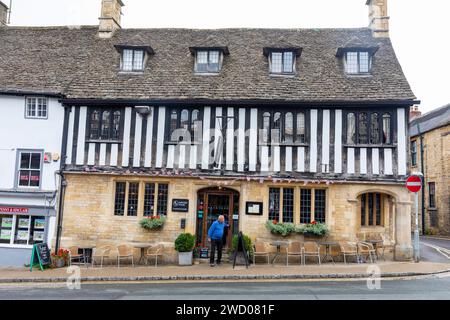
(414, 183)
(180, 205)
(254, 208)
(204, 253)
(40, 255)
(240, 250)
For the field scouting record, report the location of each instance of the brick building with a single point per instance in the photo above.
(431, 133)
(256, 124)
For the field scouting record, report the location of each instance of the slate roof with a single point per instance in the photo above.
(429, 121)
(78, 64)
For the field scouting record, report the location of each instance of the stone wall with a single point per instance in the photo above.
(89, 210)
(437, 169)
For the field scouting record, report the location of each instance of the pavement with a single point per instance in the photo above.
(226, 272)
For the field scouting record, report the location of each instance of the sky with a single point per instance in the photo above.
(420, 30)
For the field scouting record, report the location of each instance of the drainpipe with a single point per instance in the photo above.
(423, 178)
(62, 181)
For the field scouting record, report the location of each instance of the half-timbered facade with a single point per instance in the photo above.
(292, 125)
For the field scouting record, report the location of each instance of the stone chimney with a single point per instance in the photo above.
(414, 112)
(378, 18)
(110, 18)
(3, 14)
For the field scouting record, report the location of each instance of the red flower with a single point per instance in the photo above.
(274, 221)
(314, 222)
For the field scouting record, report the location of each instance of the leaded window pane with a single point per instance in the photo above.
(276, 62)
(213, 61)
(116, 126)
(351, 64)
(138, 61)
(364, 66)
(266, 127)
(127, 61)
(301, 135)
(106, 125)
(94, 125)
(305, 205)
(133, 196)
(289, 127)
(274, 204)
(363, 126)
(374, 129)
(351, 128)
(288, 205)
(386, 128)
(163, 195)
(319, 205)
(288, 62)
(119, 200)
(149, 199)
(276, 130)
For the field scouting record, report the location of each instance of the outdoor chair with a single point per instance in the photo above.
(124, 252)
(75, 256)
(349, 249)
(366, 250)
(155, 252)
(261, 251)
(294, 250)
(311, 249)
(102, 253)
(381, 246)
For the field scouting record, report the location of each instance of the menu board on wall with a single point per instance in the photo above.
(5, 234)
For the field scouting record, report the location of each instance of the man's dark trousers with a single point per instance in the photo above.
(216, 244)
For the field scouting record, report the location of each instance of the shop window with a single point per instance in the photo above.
(22, 229)
(432, 194)
(274, 204)
(288, 205)
(104, 124)
(36, 108)
(371, 207)
(133, 198)
(305, 205)
(29, 169)
(151, 197)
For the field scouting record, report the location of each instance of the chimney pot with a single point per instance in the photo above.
(378, 18)
(110, 18)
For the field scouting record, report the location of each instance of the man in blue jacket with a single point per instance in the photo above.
(215, 234)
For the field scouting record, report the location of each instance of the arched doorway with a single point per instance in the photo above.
(211, 203)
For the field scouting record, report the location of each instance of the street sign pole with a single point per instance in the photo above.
(414, 184)
(416, 231)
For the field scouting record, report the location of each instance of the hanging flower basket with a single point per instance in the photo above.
(153, 222)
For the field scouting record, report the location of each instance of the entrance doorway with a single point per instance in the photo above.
(212, 203)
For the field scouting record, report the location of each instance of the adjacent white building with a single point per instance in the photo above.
(30, 148)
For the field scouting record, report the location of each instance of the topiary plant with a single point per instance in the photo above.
(185, 242)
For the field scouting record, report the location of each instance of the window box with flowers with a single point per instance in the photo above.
(153, 222)
(314, 228)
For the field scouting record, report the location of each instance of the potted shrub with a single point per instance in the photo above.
(184, 244)
(153, 222)
(59, 259)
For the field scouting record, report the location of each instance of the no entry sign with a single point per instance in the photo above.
(414, 183)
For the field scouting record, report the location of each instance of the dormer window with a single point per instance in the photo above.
(208, 60)
(282, 60)
(357, 60)
(133, 58)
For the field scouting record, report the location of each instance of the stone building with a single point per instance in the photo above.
(293, 125)
(431, 133)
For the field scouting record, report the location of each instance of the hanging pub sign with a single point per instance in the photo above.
(180, 205)
(254, 208)
(40, 256)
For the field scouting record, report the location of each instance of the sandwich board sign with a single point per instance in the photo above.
(240, 249)
(40, 256)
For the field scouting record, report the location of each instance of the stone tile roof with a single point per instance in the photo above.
(429, 121)
(78, 64)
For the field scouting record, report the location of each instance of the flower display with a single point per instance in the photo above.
(153, 222)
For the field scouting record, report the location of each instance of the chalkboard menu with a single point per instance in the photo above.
(41, 256)
(180, 205)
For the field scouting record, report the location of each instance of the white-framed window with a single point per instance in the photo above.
(358, 62)
(36, 108)
(132, 60)
(29, 169)
(21, 229)
(207, 61)
(282, 62)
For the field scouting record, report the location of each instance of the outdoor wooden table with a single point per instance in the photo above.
(143, 247)
(328, 245)
(278, 244)
(375, 246)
